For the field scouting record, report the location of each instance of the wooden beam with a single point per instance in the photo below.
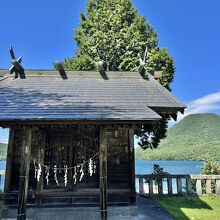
(103, 173)
(17, 122)
(16, 68)
(102, 70)
(61, 70)
(11, 50)
(141, 68)
(24, 172)
(182, 111)
(7, 184)
(19, 68)
(168, 110)
(174, 117)
(132, 165)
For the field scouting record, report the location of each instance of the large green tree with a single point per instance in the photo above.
(112, 31)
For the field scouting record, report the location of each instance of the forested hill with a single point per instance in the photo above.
(192, 138)
(3, 151)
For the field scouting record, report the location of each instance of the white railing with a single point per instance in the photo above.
(178, 184)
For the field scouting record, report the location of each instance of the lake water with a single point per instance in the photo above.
(146, 167)
(170, 166)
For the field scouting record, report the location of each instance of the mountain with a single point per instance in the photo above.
(193, 138)
(3, 151)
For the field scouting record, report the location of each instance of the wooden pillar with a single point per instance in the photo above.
(24, 173)
(132, 166)
(103, 173)
(7, 185)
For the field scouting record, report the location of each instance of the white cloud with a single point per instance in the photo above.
(206, 104)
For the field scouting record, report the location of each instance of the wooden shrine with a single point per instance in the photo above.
(72, 135)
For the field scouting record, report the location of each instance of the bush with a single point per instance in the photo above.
(210, 167)
(160, 173)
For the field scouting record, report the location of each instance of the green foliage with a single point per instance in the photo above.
(191, 139)
(112, 31)
(159, 59)
(159, 171)
(211, 167)
(150, 137)
(3, 151)
(83, 62)
(191, 207)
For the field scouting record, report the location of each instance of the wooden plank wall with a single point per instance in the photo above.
(118, 159)
(118, 166)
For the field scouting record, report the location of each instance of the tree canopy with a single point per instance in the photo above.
(112, 31)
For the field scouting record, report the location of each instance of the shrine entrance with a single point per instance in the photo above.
(68, 152)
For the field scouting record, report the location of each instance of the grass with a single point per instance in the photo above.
(191, 207)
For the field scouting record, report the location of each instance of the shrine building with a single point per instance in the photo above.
(71, 140)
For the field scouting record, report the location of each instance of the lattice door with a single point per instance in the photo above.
(58, 154)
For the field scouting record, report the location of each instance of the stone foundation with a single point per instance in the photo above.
(70, 213)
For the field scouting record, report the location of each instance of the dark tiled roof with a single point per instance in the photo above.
(43, 95)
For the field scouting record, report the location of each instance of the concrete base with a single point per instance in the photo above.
(67, 213)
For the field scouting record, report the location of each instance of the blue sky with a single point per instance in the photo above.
(41, 31)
